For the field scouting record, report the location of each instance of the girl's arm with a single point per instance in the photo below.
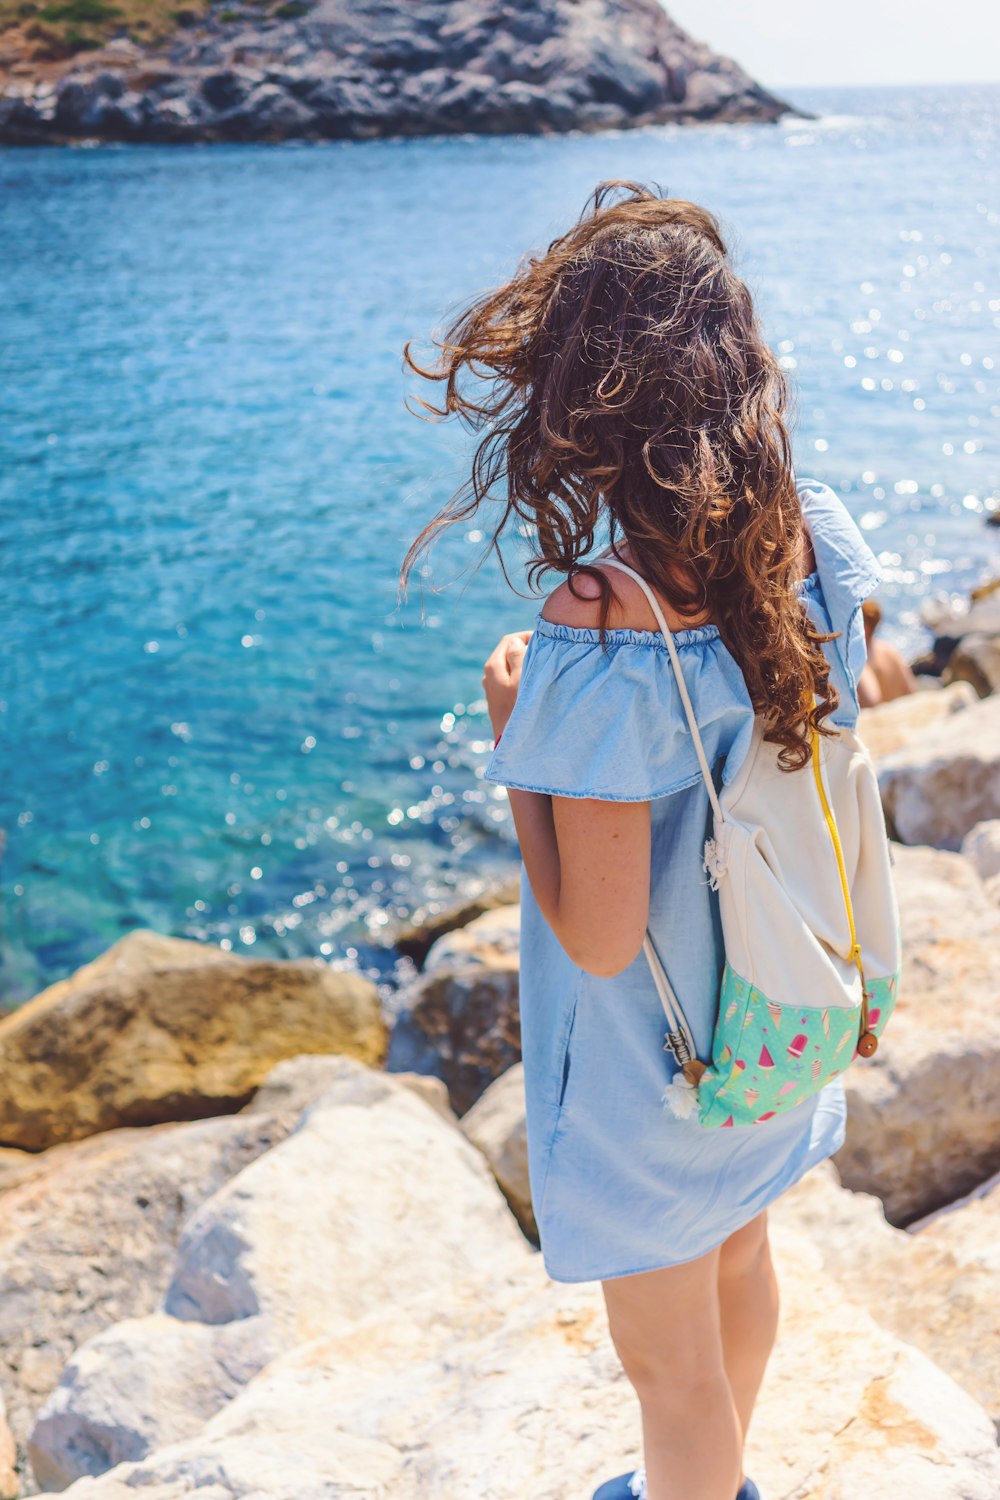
(587, 860)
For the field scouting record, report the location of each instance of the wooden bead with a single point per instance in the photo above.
(867, 1043)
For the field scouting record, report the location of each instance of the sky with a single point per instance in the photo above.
(783, 43)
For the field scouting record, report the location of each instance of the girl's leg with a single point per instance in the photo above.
(748, 1311)
(666, 1328)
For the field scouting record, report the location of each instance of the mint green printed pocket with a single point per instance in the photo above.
(766, 1057)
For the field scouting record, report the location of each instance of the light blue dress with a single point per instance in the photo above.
(618, 1183)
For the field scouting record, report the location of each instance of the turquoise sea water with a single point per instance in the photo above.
(216, 717)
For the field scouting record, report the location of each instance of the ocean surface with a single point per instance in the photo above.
(217, 716)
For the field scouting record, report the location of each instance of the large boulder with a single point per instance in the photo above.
(939, 787)
(89, 1238)
(905, 721)
(158, 1029)
(935, 1286)
(373, 1203)
(923, 1117)
(461, 1020)
(490, 940)
(431, 921)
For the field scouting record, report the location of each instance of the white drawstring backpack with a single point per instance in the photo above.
(810, 926)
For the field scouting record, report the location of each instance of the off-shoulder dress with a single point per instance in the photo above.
(619, 1184)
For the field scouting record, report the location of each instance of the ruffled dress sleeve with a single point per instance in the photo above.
(607, 721)
(847, 573)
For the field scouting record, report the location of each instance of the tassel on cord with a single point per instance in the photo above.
(681, 1093)
(715, 863)
(681, 1097)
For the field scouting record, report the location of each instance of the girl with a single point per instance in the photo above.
(630, 393)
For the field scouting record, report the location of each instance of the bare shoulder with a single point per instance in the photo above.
(630, 608)
(578, 605)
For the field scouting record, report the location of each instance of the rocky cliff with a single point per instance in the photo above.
(269, 70)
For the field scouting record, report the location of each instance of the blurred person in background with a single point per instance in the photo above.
(886, 675)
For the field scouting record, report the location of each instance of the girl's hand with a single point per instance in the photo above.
(501, 676)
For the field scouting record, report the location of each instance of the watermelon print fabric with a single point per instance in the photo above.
(766, 1057)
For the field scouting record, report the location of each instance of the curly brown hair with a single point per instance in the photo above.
(623, 376)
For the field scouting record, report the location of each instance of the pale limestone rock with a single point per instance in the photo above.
(299, 1081)
(496, 1124)
(520, 1393)
(158, 1028)
(923, 1117)
(140, 1383)
(981, 846)
(939, 787)
(904, 721)
(935, 1286)
(431, 1090)
(491, 939)
(90, 1237)
(430, 923)
(374, 1201)
(321, 1210)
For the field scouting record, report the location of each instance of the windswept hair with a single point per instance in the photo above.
(623, 376)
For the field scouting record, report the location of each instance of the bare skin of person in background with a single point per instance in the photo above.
(887, 675)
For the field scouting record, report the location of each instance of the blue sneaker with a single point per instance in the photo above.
(633, 1487)
(630, 1486)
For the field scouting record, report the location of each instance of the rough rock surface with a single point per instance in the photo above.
(429, 923)
(496, 1124)
(90, 1237)
(937, 788)
(330, 69)
(935, 1287)
(299, 1081)
(923, 1116)
(442, 1361)
(490, 939)
(162, 1029)
(981, 846)
(905, 721)
(461, 1020)
(373, 1200)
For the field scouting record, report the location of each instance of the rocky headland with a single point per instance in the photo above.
(255, 1238)
(274, 70)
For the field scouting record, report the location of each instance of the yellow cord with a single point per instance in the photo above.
(855, 953)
